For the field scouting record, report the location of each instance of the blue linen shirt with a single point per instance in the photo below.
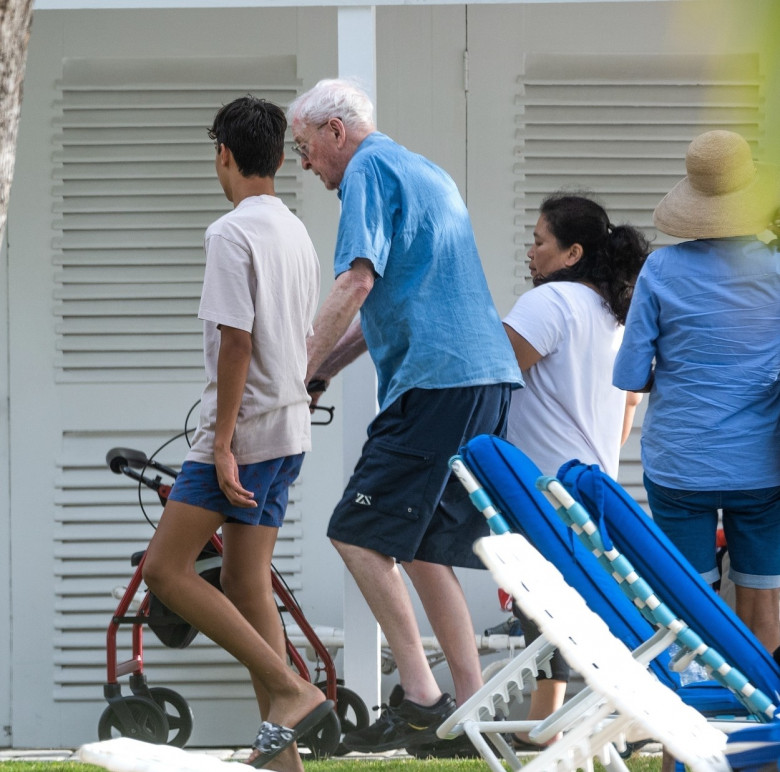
(708, 312)
(429, 320)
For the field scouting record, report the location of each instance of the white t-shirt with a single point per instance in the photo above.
(569, 407)
(262, 276)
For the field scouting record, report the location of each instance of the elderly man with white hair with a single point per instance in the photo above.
(407, 261)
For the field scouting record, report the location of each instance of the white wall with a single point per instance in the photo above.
(57, 426)
(423, 103)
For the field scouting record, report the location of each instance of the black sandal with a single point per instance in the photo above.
(272, 739)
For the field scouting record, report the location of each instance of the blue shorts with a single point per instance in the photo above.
(270, 481)
(751, 524)
(402, 500)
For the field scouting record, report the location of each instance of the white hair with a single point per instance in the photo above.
(333, 98)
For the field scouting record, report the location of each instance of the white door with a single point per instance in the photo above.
(115, 187)
(112, 191)
(554, 104)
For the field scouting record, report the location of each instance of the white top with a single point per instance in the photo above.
(569, 407)
(262, 276)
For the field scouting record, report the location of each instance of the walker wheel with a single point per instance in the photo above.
(134, 717)
(352, 713)
(324, 739)
(177, 712)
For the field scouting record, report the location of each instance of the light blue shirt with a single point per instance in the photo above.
(429, 320)
(708, 312)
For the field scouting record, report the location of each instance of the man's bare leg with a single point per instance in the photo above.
(384, 589)
(445, 606)
(169, 571)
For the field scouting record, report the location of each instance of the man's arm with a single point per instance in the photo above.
(337, 338)
(350, 346)
(235, 353)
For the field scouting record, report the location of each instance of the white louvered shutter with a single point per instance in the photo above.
(135, 191)
(618, 126)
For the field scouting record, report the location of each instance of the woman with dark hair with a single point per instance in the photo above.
(565, 333)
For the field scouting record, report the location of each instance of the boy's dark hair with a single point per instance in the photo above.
(253, 130)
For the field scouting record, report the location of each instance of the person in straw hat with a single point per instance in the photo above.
(703, 337)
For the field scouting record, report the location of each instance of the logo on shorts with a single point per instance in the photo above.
(362, 498)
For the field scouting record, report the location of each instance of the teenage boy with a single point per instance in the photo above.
(260, 293)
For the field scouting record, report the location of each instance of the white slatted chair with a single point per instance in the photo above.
(588, 721)
(623, 701)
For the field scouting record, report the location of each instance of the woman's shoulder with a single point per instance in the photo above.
(554, 290)
(562, 294)
(572, 294)
(544, 304)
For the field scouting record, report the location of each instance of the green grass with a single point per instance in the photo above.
(46, 766)
(635, 764)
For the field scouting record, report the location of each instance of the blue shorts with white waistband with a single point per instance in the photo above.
(402, 500)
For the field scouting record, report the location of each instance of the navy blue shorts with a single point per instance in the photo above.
(270, 481)
(402, 500)
(751, 523)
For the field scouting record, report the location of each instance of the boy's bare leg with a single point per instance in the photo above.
(246, 581)
(384, 589)
(170, 573)
(445, 606)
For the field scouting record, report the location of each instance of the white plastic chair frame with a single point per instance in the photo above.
(603, 715)
(628, 702)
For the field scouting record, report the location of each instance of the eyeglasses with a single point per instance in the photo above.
(301, 148)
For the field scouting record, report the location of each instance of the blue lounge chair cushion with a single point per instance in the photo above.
(670, 575)
(759, 748)
(712, 700)
(509, 478)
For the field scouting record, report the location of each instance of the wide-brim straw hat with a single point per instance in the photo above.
(725, 193)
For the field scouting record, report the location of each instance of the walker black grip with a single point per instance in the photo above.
(116, 458)
(316, 386)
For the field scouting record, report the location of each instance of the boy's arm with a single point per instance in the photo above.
(235, 353)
